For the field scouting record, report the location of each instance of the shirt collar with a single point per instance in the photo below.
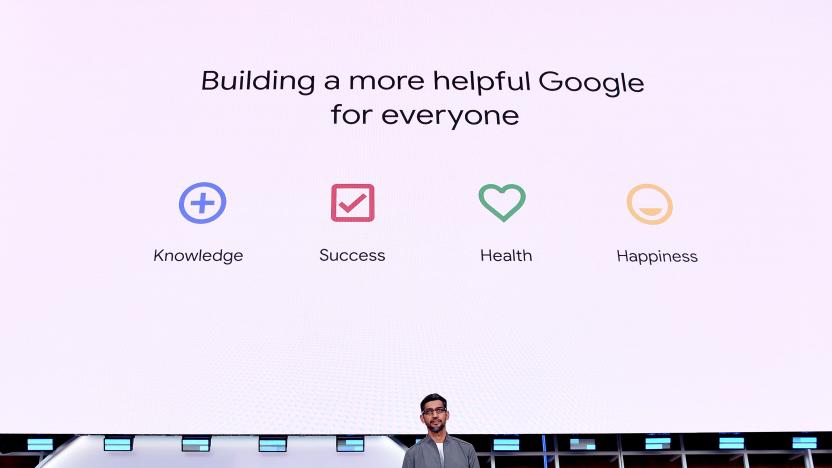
(429, 440)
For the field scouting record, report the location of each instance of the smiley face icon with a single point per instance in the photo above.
(650, 204)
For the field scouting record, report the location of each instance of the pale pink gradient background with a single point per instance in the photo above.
(103, 124)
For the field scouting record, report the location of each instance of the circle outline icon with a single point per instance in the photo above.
(192, 188)
(652, 187)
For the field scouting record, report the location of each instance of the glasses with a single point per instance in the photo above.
(439, 411)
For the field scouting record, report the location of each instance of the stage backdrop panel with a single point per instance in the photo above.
(646, 251)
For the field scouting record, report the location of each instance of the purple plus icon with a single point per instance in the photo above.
(210, 195)
(202, 203)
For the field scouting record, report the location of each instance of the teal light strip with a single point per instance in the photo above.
(117, 441)
(117, 448)
(804, 445)
(272, 445)
(582, 444)
(349, 448)
(195, 442)
(39, 448)
(804, 442)
(196, 445)
(506, 445)
(40, 441)
(273, 442)
(349, 444)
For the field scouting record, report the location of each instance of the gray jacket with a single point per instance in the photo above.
(425, 454)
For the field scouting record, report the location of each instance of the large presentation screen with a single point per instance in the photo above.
(302, 217)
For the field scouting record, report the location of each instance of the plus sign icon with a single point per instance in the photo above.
(202, 203)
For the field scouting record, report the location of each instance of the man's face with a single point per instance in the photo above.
(434, 415)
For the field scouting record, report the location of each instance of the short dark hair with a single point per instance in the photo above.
(433, 397)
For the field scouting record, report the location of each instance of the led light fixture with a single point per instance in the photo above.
(511, 444)
(118, 444)
(196, 444)
(272, 443)
(349, 444)
(581, 444)
(804, 442)
(731, 443)
(40, 445)
(657, 443)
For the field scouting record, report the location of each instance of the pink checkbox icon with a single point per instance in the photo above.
(353, 203)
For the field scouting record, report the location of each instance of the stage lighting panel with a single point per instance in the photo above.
(582, 444)
(657, 443)
(804, 442)
(118, 444)
(272, 444)
(506, 444)
(40, 445)
(731, 443)
(196, 444)
(349, 444)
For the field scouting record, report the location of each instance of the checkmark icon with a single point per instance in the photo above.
(353, 203)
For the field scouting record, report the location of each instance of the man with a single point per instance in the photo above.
(438, 449)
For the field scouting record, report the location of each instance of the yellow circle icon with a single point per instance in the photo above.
(647, 214)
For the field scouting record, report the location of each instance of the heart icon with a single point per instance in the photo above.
(503, 215)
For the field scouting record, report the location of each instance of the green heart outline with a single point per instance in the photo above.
(503, 189)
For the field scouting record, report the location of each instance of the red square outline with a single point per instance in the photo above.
(334, 203)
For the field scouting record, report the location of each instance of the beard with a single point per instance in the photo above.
(436, 427)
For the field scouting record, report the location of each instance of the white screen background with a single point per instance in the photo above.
(104, 124)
